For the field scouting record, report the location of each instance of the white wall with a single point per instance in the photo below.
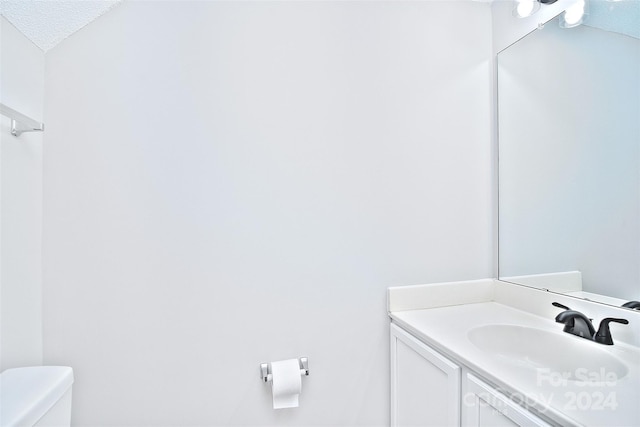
(21, 88)
(569, 158)
(229, 183)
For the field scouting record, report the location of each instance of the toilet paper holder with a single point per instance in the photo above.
(265, 369)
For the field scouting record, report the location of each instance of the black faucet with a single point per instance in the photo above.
(632, 304)
(578, 324)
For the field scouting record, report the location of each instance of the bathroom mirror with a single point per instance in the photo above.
(569, 156)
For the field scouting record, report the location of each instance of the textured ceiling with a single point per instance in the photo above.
(47, 22)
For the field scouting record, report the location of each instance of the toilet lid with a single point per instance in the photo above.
(26, 394)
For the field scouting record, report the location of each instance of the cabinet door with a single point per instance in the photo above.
(425, 386)
(485, 406)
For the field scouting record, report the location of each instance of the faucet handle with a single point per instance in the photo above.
(603, 336)
(557, 304)
(635, 305)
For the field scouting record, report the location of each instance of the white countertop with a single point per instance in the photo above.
(615, 403)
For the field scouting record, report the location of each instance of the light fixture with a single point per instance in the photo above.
(574, 15)
(524, 8)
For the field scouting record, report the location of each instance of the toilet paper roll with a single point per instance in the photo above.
(286, 383)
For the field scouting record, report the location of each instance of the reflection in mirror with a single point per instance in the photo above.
(569, 156)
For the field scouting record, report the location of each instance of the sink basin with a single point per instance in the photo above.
(554, 357)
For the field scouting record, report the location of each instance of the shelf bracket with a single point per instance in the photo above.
(19, 122)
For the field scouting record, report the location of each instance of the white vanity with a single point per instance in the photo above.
(489, 353)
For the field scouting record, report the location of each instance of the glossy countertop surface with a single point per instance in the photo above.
(596, 397)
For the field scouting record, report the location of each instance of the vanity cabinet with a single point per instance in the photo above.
(425, 385)
(485, 406)
(430, 389)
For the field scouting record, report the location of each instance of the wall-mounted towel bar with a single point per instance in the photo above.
(19, 122)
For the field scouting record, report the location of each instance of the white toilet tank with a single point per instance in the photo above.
(36, 396)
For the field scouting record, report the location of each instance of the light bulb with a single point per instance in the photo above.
(526, 8)
(574, 14)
